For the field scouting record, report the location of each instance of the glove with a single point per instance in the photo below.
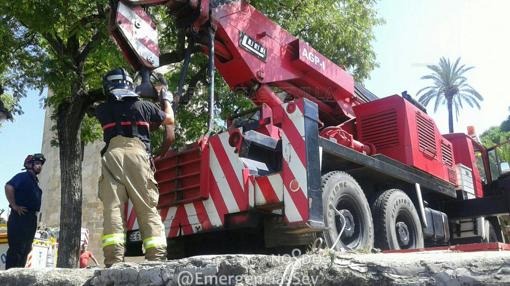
(161, 79)
(167, 95)
(164, 94)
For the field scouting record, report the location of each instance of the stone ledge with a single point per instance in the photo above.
(320, 268)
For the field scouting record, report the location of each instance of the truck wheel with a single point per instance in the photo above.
(341, 194)
(396, 221)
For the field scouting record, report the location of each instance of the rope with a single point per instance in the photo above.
(341, 231)
(317, 243)
(292, 266)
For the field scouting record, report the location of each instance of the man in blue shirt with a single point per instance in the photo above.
(24, 196)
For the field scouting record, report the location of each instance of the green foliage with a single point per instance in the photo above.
(43, 44)
(505, 126)
(495, 136)
(90, 129)
(19, 52)
(449, 86)
(64, 45)
(49, 31)
(8, 101)
(340, 30)
(6, 106)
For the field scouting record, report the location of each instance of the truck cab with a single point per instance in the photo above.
(480, 215)
(494, 167)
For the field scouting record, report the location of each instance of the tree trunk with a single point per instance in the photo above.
(449, 104)
(69, 117)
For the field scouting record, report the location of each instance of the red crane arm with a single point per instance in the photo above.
(252, 51)
(261, 52)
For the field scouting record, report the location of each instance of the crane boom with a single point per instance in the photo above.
(252, 51)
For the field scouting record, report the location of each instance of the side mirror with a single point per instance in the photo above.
(505, 167)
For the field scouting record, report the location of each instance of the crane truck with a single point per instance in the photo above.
(319, 155)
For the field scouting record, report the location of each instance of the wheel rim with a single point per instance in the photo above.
(402, 233)
(406, 230)
(352, 234)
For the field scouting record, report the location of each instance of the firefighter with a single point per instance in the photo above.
(24, 196)
(126, 166)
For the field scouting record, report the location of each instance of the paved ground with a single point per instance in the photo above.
(321, 267)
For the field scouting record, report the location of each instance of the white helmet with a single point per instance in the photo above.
(118, 84)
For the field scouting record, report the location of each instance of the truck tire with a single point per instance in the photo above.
(493, 230)
(396, 221)
(341, 191)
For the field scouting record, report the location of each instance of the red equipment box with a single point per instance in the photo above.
(399, 130)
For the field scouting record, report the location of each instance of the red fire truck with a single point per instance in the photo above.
(319, 156)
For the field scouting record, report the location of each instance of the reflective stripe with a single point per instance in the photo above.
(114, 238)
(154, 241)
(119, 77)
(126, 123)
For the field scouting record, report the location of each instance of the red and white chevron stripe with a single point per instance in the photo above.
(294, 177)
(130, 216)
(227, 193)
(140, 32)
(268, 190)
(28, 264)
(232, 190)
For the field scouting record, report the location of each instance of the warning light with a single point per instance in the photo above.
(471, 131)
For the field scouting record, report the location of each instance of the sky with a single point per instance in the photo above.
(19, 138)
(420, 32)
(416, 33)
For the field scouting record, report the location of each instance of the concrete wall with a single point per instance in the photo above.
(92, 208)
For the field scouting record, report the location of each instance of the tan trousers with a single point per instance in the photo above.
(126, 174)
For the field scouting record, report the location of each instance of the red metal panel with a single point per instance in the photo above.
(381, 129)
(202, 184)
(464, 154)
(296, 193)
(267, 190)
(294, 136)
(236, 188)
(136, 33)
(178, 176)
(180, 224)
(427, 142)
(285, 60)
(401, 131)
(131, 219)
(202, 215)
(218, 201)
(328, 75)
(296, 204)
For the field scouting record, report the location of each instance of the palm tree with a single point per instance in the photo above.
(449, 86)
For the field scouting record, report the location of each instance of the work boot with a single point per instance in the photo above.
(113, 254)
(156, 254)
